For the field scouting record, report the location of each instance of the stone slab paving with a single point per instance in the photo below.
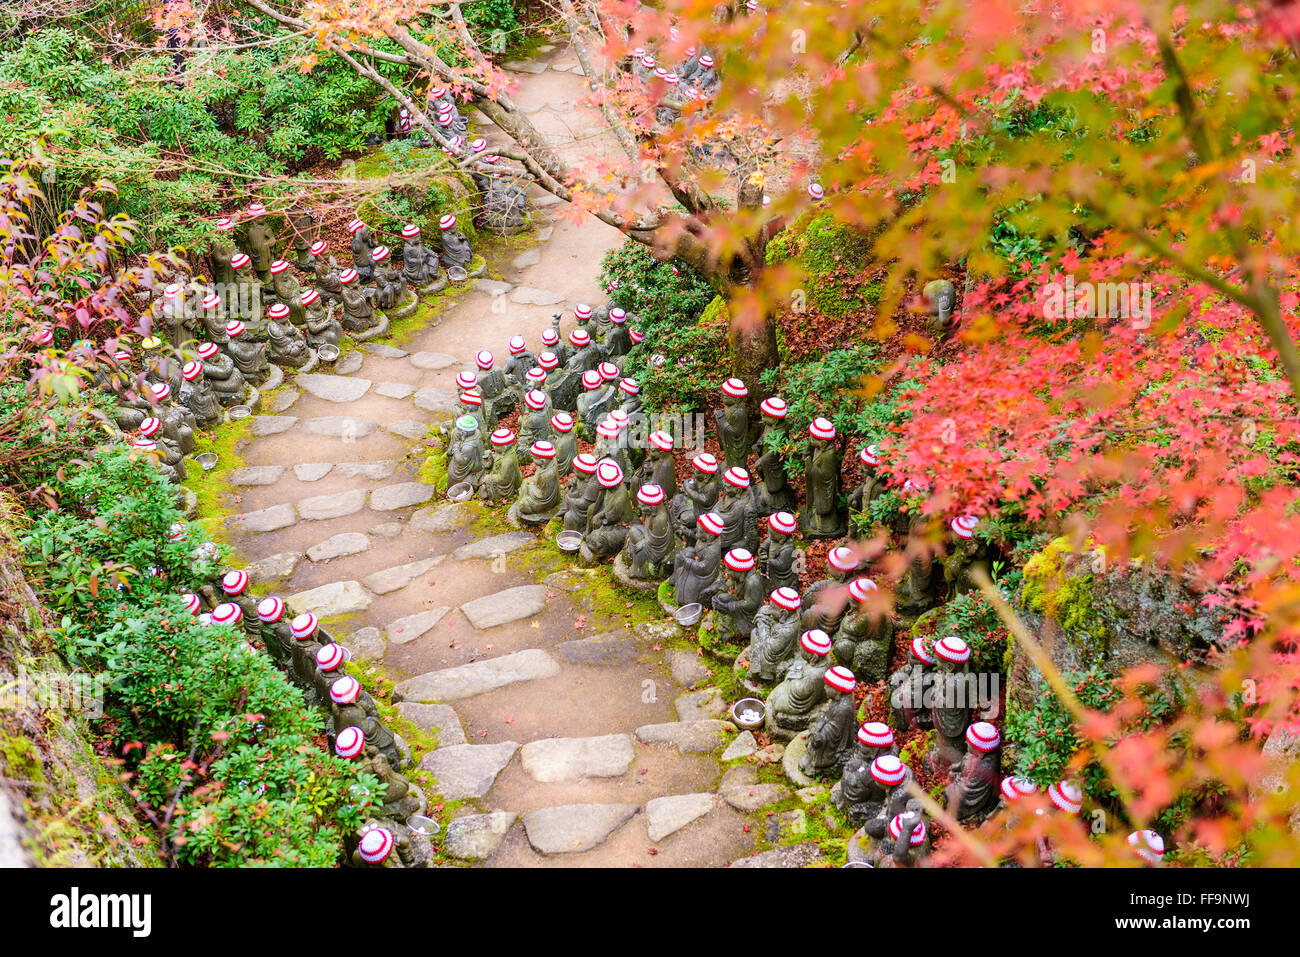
(366, 644)
(265, 519)
(573, 759)
(433, 361)
(312, 471)
(512, 604)
(701, 705)
(399, 576)
(394, 390)
(402, 495)
(699, 737)
(333, 388)
(478, 677)
(438, 718)
(407, 629)
(442, 518)
(744, 745)
(572, 828)
(612, 648)
(528, 296)
(350, 363)
(476, 837)
(272, 567)
(687, 667)
(283, 400)
(384, 351)
(382, 469)
(324, 507)
(339, 426)
(668, 815)
(337, 546)
(336, 598)
(495, 545)
(794, 855)
(409, 429)
(467, 770)
(437, 401)
(263, 425)
(387, 530)
(256, 475)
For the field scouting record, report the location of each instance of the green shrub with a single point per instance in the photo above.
(974, 620)
(1045, 735)
(694, 354)
(651, 289)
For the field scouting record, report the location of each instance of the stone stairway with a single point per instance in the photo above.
(566, 737)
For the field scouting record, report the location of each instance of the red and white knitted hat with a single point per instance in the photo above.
(876, 734)
(356, 226)
(379, 253)
(580, 338)
(586, 463)
(446, 221)
(279, 266)
(661, 440)
(782, 522)
(630, 387)
(516, 345)
(591, 380)
(536, 377)
(239, 260)
(548, 360)
(318, 247)
(150, 425)
(469, 397)
(550, 336)
(816, 641)
(650, 494)
(310, 296)
(345, 690)
(618, 315)
(478, 145)
(193, 604)
(207, 350)
(921, 651)
(304, 626)
(861, 588)
(619, 418)
(636, 335)
(562, 422)
(785, 597)
(774, 407)
(235, 328)
(736, 477)
(161, 390)
(350, 741)
(410, 231)
(889, 770)
(466, 380)
(541, 449)
(348, 276)
(648, 61)
(329, 657)
(840, 678)
(270, 610)
(227, 613)
(43, 336)
(739, 560)
(535, 399)
(983, 737)
(735, 388)
(821, 428)
(376, 844)
(706, 61)
(952, 649)
(278, 311)
(484, 359)
(224, 224)
(234, 582)
(710, 522)
(503, 437)
(1147, 845)
(963, 526)
(705, 462)
(816, 191)
(870, 456)
(144, 445)
(608, 428)
(896, 825)
(191, 371)
(1013, 788)
(841, 559)
(608, 474)
(582, 311)
(211, 301)
(255, 210)
(1067, 796)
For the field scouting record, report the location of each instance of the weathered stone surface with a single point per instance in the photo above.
(700, 705)
(399, 576)
(795, 855)
(256, 475)
(283, 400)
(477, 677)
(810, 794)
(366, 644)
(543, 234)
(333, 388)
(407, 629)
(570, 828)
(689, 736)
(433, 361)
(350, 363)
(528, 296)
(409, 429)
(394, 390)
(667, 815)
(336, 546)
(493, 287)
(494, 546)
(742, 775)
(265, 520)
(467, 770)
(686, 667)
(475, 837)
(322, 507)
(615, 647)
(336, 598)
(383, 351)
(312, 471)
(751, 797)
(345, 427)
(530, 257)
(387, 530)
(273, 567)
(442, 518)
(573, 759)
(742, 747)
(524, 66)
(770, 754)
(261, 425)
(522, 601)
(567, 579)
(436, 401)
(438, 718)
(402, 495)
(653, 631)
(367, 470)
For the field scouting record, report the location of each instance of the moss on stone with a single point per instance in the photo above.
(1058, 586)
(832, 257)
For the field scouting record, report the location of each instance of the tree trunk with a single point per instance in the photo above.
(753, 350)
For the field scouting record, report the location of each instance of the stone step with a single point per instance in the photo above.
(399, 576)
(494, 546)
(344, 427)
(338, 546)
(573, 759)
(333, 388)
(475, 837)
(336, 598)
(324, 507)
(265, 519)
(401, 495)
(699, 737)
(572, 828)
(667, 815)
(256, 475)
(438, 718)
(613, 648)
(477, 677)
(405, 630)
(467, 770)
(264, 425)
(512, 604)
(312, 471)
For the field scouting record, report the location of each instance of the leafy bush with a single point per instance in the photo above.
(1045, 735)
(494, 24)
(651, 289)
(972, 618)
(832, 257)
(693, 353)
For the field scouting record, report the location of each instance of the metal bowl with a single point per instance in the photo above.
(568, 540)
(327, 353)
(239, 411)
(460, 492)
(420, 824)
(744, 705)
(855, 864)
(207, 460)
(457, 274)
(688, 615)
